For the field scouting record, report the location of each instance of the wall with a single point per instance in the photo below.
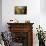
(0, 15)
(43, 6)
(43, 14)
(33, 10)
(34, 14)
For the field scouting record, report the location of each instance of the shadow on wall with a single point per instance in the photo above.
(43, 6)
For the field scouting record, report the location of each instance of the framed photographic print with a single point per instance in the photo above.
(20, 9)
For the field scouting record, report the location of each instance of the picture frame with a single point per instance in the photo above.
(20, 10)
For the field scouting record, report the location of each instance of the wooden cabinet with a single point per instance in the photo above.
(22, 33)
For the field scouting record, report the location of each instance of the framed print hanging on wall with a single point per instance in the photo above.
(20, 9)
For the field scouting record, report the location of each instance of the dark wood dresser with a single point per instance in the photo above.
(22, 33)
